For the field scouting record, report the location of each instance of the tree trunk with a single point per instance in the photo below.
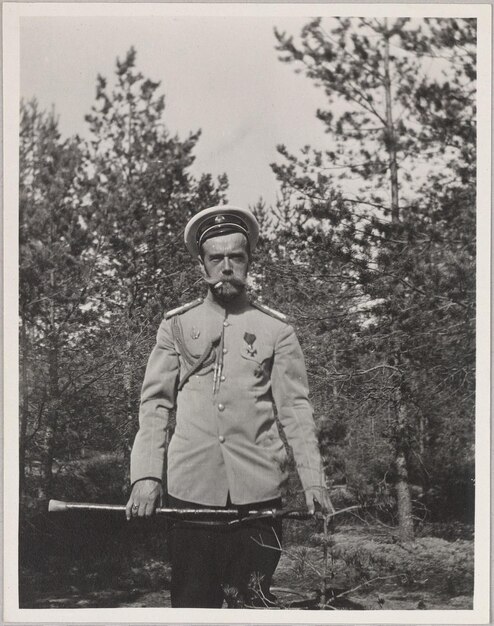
(128, 383)
(402, 487)
(403, 497)
(335, 365)
(46, 454)
(47, 438)
(390, 140)
(24, 393)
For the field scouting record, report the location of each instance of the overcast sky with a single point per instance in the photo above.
(220, 74)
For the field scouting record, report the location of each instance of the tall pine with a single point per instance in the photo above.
(400, 127)
(140, 194)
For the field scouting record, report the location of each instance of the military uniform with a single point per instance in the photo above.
(224, 363)
(226, 440)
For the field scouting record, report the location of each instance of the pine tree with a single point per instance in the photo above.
(378, 210)
(102, 257)
(52, 280)
(140, 194)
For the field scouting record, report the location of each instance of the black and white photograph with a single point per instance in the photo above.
(247, 312)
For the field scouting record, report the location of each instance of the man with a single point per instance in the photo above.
(223, 362)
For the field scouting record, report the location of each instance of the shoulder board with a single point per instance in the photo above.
(265, 309)
(183, 308)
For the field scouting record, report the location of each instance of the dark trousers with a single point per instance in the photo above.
(213, 563)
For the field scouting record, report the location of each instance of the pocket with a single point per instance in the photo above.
(274, 449)
(259, 363)
(190, 352)
(268, 440)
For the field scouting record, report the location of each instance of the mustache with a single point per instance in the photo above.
(231, 280)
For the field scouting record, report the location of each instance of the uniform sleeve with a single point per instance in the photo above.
(157, 400)
(290, 392)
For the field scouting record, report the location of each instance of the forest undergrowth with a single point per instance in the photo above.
(365, 567)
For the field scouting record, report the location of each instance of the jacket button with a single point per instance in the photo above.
(222, 378)
(221, 439)
(221, 407)
(225, 350)
(225, 323)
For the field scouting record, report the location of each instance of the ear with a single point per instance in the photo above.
(202, 268)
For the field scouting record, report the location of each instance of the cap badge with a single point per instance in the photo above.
(195, 332)
(219, 219)
(249, 339)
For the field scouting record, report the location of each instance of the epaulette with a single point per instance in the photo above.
(183, 308)
(265, 309)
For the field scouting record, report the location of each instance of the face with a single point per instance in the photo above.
(226, 259)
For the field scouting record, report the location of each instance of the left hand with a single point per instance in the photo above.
(321, 495)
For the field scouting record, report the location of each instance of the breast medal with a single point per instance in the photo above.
(249, 339)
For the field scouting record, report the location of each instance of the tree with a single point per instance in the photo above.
(51, 242)
(140, 195)
(412, 266)
(101, 259)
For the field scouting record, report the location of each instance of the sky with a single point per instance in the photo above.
(219, 74)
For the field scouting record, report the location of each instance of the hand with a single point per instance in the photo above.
(142, 501)
(320, 495)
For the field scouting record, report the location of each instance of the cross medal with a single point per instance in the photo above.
(249, 339)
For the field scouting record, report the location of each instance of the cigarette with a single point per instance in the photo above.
(218, 285)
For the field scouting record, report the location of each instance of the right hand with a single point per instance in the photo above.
(145, 494)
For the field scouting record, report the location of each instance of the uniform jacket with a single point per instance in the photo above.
(225, 441)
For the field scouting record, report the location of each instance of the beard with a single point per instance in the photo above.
(227, 288)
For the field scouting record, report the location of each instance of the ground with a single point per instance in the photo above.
(365, 569)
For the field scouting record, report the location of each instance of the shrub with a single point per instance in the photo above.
(436, 563)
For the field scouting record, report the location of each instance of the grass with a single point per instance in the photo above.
(369, 566)
(366, 567)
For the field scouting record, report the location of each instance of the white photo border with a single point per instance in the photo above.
(12, 13)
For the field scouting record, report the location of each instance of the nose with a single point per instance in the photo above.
(227, 267)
